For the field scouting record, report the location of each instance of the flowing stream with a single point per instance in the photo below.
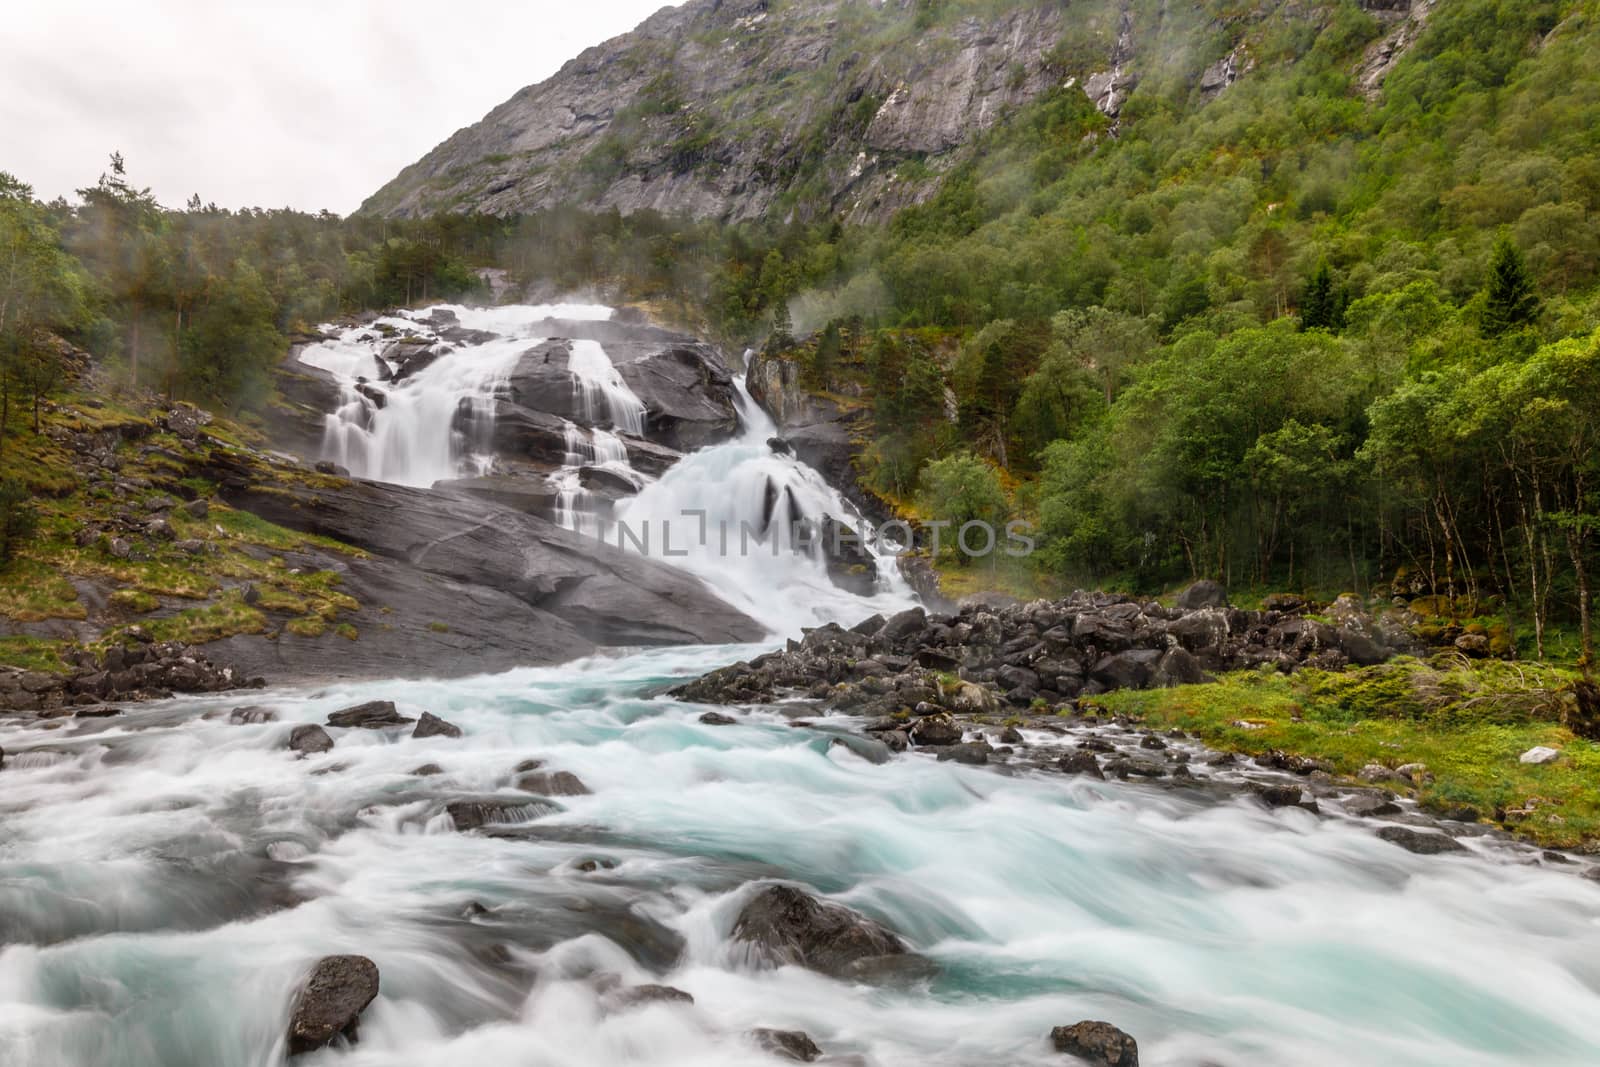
(167, 876)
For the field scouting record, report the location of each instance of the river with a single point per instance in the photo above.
(167, 876)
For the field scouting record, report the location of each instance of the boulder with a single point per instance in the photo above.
(1540, 754)
(1096, 1043)
(974, 753)
(309, 739)
(793, 1045)
(373, 715)
(1371, 806)
(1202, 594)
(556, 784)
(430, 725)
(935, 730)
(1421, 844)
(786, 926)
(716, 718)
(336, 992)
(1080, 762)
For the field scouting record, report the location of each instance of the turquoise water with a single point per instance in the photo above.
(143, 874)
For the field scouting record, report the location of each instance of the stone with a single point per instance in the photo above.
(639, 996)
(787, 926)
(1540, 754)
(1284, 796)
(938, 729)
(309, 739)
(427, 770)
(716, 718)
(1202, 594)
(430, 725)
(1080, 762)
(973, 753)
(793, 1045)
(1096, 1043)
(373, 715)
(197, 509)
(557, 784)
(337, 990)
(1370, 806)
(1421, 844)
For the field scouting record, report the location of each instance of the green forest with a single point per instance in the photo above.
(1290, 337)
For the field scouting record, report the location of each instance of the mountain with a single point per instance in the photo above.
(738, 109)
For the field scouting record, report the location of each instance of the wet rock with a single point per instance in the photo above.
(1420, 843)
(974, 753)
(427, 770)
(252, 715)
(793, 1045)
(787, 926)
(716, 718)
(876, 752)
(639, 996)
(937, 729)
(1080, 762)
(1371, 806)
(557, 784)
(373, 715)
(309, 739)
(1096, 1043)
(336, 992)
(475, 814)
(1285, 796)
(430, 725)
(1133, 767)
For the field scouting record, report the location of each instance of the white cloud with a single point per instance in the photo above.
(269, 103)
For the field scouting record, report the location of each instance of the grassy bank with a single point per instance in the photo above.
(129, 535)
(1468, 722)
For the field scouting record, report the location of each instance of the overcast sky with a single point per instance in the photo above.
(268, 103)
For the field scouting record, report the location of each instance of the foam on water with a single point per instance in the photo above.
(138, 931)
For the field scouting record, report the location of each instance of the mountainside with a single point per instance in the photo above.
(738, 109)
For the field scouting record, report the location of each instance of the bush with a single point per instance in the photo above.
(19, 520)
(960, 489)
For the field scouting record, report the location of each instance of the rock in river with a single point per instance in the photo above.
(790, 927)
(330, 1004)
(1096, 1043)
(430, 725)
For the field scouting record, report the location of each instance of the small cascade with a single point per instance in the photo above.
(578, 508)
(601, 394)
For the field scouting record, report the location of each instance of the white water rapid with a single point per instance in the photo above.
(166, 880)
(167, 876)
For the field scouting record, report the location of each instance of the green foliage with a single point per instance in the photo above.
(959, 489)
(19, 519)
(1509, 300)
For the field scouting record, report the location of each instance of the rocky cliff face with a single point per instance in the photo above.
(720, 108)
(736, 109)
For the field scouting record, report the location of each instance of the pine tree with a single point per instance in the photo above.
(1511, 301)
(1322, 308)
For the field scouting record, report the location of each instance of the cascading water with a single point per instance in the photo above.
(410, 435)
(602, 394)
(729, 514)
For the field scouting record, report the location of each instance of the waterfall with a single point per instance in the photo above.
(728, 513)
(406, 431)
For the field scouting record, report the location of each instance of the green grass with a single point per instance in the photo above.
(38, 584)
(32, 654)
(1468, 723)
